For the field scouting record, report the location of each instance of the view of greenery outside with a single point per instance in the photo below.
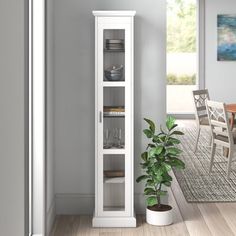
(181, 80)
(181, 35)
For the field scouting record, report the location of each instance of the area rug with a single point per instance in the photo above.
(196, 183)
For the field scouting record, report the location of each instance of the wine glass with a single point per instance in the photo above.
(119, 138)
(115, 137)
(106, 137)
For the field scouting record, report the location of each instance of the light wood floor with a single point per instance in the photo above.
(216, 219)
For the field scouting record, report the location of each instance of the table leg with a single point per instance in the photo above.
(232, 121)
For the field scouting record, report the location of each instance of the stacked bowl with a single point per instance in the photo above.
(114, 73)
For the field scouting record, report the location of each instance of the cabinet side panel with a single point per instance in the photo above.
(96, 118)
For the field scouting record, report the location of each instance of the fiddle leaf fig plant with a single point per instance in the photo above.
(161, 155)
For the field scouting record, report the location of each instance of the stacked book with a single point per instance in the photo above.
(114, 111)
(115, 44)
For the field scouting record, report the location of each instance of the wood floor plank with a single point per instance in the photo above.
(228, 211)
(138, 231)
(66, 225)
(110, 231)
(178, 228)
(150, 230)
(54, 227)
(215, 221)
(191, 215)
(85, 227)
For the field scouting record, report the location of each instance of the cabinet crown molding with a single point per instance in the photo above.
(114, 13)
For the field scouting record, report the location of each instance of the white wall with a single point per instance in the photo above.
(220, 76)
(12, 119)
(74, 92)
(50, 201)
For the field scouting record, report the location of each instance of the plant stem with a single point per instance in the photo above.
(159, 197)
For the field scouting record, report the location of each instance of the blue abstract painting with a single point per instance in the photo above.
(226, 25)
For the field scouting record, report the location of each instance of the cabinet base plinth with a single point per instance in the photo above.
(114, 222)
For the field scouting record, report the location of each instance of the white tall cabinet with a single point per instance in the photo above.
(114, 82)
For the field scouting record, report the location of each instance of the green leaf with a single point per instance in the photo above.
(173, 150)
(144, 156)
(151, 152)
(159, 150)
(166, 166)
(174, 140)
(151, 201)
(144, 165)
(158, 178)
(170, 122)
(155, 151)
(174, 126)
(177, 163)
(150, 183)
(162, 131)
(151, 125)
(168, 184)
(156, 139)
(149, 191)
(148, 133)
(142, 177)
(177, 132)
(167, 177)
(150, 145)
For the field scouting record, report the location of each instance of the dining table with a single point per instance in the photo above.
(231, 108)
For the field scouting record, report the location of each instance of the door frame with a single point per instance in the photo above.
(200, 55)
(37, 116)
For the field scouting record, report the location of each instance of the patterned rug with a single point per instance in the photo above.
(197, 184)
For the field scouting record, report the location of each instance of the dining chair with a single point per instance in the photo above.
(221, 132)
(199, 98)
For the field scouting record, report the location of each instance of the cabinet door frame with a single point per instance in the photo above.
(113, 23)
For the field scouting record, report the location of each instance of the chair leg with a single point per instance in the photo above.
(213, 151)
(210, 141)
(197, 138)
(230, 156)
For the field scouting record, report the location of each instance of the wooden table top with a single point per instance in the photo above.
(231, 108)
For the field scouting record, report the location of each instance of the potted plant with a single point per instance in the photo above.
(160, 156)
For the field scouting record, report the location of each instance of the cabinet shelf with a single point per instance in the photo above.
(114, 151)
(114, 50)
(114, 180)
(114, 83)
(114, 116)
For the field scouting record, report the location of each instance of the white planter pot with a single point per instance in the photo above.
(159, 218)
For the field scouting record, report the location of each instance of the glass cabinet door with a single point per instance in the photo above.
(115, 126)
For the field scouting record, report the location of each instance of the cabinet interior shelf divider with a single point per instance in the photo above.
(114, 83)
(114, 180)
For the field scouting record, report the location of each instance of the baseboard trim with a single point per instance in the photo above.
(179, 116)
(51, 215)
(83, 204)
(112, 222)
